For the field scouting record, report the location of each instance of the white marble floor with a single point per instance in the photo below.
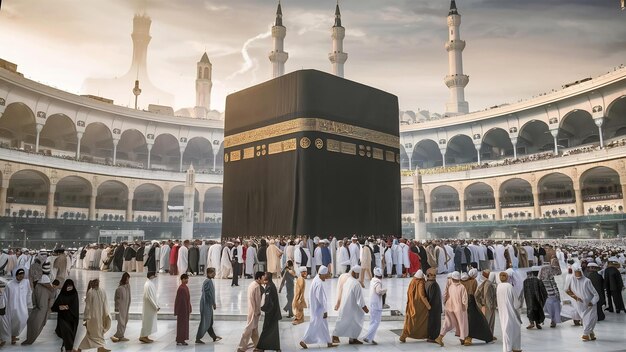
(232, 306)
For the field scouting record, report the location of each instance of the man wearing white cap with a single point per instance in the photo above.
(299, 303)
(354, 250)
(582, 291)
(510, 320)
(317, 332)
(352, 310)
(455, 310)
(376, 303)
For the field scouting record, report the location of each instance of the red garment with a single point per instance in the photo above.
(245, 249)
(416, 265)
(182, 310)
(174, 260)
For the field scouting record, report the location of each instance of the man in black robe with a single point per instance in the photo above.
(151, 262)
(194, 258)
(598, 284)
(118, 257)
(270, 339)
(433, 293)
(423, 257)
(614, 285)
(535, 295)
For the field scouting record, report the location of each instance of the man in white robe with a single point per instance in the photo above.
(226, 266)
(586, 297)
(450, 253)
(406, 262)
(203, 256)
(333, 254)
(397, 257)
(442, 259)
(150, 309)
(388, 256)
(354, 250)
(500, 260)
(214, 258)
(18, 292)
(343, 259)
(376, 305)
(164, 258)
(317, 331)
(510, 320)
(251, 260)
(352, 310)
(183, 258)
(530, 252)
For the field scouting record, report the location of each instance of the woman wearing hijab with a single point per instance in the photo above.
(96, 316)
(582, 291)
(66, 307)
(122, 306)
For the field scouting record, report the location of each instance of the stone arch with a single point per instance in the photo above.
(404, 159)
(444, 198)
(496, 145)
(112, 195)
(479, 195)
(577, 127)
(408, 207)
(516, 192)
(28, 187)
(426, 154)
(219, 160)
(615, 124)
(132, 147)
(165, 152)
(534, 137)
(600, 183)
(199, 152)
(73, 191)
(17, 125)
(556, 188)
(176, 198)
(59, 133)
(148, 197)
(460, 150)
(97, 142)
(213, 200)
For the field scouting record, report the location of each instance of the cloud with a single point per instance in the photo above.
(249, 63)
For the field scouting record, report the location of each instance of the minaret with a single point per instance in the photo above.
(141, 39)
(455, 80)
(189, 204)
(337, 57)
(204, 83)
(278, 56)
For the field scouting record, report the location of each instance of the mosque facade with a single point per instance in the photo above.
(547, 167)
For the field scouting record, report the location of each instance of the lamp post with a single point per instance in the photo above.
(136, 92)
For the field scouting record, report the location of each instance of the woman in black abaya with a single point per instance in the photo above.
(66, 305)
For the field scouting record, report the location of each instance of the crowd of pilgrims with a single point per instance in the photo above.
(484, 280)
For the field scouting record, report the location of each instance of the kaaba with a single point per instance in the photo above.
(310, 153)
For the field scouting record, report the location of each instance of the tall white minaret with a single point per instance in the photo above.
(204, 83)
(337, 57)
(278, 56)
(455, 80)
(141, 39)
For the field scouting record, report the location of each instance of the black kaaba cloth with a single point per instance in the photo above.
(309, 153)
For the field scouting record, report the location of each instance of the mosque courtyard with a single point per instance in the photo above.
(232, 309)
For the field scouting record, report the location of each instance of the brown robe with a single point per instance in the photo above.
(182, 310)
(417, 307)
(43, 298)
(299, 303)
(523, 257)
(487, 301)
(97, 319)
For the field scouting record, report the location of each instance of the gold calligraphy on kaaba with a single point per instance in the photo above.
(235, 155)
(282, 146)
(312, 125)
(248, 153)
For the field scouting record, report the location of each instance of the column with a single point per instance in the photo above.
(443, 156)
(599, 122)
(215, 160)
(182, 151)
(429, 212)
(478, 152)
(580, 210)
(201, 211)
(149, 149)
(115, 141)
(92, 207)
(3, 198)
(38, 129)
(463, 216)
(514, 142)
(164, 209)
(537, 212)
(623, 197)
(129, 208)
(50, 204)
(496, 198)
(555, 135)
(410, 164)
(79, 136)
